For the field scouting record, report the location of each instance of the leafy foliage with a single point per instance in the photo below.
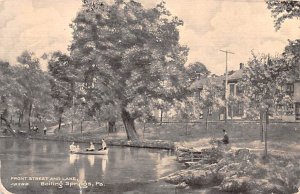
(262, 83)
(283, 10)
(61, 82)
(35, 85)
(197, 70)
(129, 55)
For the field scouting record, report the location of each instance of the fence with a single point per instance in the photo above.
(241, 130)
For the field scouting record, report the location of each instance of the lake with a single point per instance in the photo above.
(32, 166)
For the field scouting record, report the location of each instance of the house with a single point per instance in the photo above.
(291, 112)
(236, 109)
(208, 112)
(235, 106)
(296, 88)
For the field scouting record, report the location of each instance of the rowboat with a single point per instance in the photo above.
(96, 152)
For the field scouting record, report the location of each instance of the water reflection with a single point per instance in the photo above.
(104, 161)
(52, 159)
(73, 158)
(91, 159)
(81, 176)
(44, 148)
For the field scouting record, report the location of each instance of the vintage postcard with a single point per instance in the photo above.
(149, 96)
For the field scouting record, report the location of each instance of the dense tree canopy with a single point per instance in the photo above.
(197, 70)
(35, 85)
(130, 55)
(61, 82)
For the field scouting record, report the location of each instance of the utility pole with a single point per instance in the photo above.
(226, 83)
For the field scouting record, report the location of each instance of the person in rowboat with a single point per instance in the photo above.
(72, 147)
(103, 145)
(91, 148)
(77, 149)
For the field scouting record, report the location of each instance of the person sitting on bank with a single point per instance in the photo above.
(45, 130)
(72, 147)
(103, 145)
(225, 139)
(91, 148)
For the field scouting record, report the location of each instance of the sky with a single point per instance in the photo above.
(240, 26)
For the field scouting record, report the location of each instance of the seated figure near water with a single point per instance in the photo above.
(91, 148)
(72, 147)
(103, 145)
(225, 139)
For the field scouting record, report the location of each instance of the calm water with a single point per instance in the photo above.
(31, 166)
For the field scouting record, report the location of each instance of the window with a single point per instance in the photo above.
(231, 89)
(290, 89)
(289, 109)
(239, 90)
(297, 111)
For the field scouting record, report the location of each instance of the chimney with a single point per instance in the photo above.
(242, 65)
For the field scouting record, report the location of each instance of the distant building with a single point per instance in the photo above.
(198, 85)
(291, 112)
(236, 110)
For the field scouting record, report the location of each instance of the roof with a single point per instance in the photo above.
(236, 75)
(218, 80)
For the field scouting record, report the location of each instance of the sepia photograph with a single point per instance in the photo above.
(150, 96)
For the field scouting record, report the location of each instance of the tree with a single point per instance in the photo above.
(131, 52)
(211, 98)
(197, 70)
(291, 58)
(262, 83)
(8, 87)
(62, 83)
(283, 10)
(34, 82)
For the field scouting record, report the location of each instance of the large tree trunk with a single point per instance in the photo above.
(8, 126)
(129, 125)
(21, 118)
(111, 126)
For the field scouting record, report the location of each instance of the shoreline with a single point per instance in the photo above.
(153, 144)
